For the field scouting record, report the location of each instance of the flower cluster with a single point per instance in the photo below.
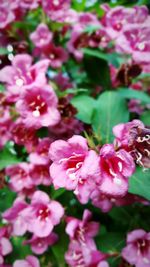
(69, 145)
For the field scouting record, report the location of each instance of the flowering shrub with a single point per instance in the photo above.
(74, 133)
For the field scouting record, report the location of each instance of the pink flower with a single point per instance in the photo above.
(137, 251)
(116, 18)
(6, 15)
(16, 217)
(55, 6)
(40, 155)
(72, 168)
(23, 135)
(40, 244)
(23, 74)
(40, 174)
(43, 214)
(19, 176)
(38, 107)
(86, 256)
(115, 168)
(122, 132)
(5, 245)
(41, 37)
(134, 40)
(5, 134)
(82, 230)
(30, 261)
(28, 4)
(56, 55)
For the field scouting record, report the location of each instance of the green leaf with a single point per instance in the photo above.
(110, 242)
(133, 94)
(6, 198)
(110, 110)
(85, 106)
(3, 51)
(139, 183)
(91, 28)
(7, 158)
(145, 117)
(97, 71)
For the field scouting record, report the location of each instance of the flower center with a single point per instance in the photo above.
(38, 106)
(43, 214)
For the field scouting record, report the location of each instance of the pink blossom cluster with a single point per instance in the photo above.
(38, 119)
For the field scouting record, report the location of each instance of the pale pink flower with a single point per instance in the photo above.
(40, 155)
(38, 107)
(30, 261)
(15, 216)
(5, 245)
(28, 4)
(116, 18)
(137, 250)
(40, 244)
(82, 230)
(115, 169)
(6, 15)
(43, 214)
(19, 176)
(72, 168)
(86, 256)
(42, 36)
(135, 40)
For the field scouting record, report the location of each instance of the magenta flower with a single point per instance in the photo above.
(19, 176)
(23, 74)
(56, 55)
(30, 261)
(38, 107)
(40, 175)
(137, 251)
(43, 214)
(23, 135)
(115, 168)
(40, 244)
(82, 230)
(41, 37)
(72, 168)
(15, 216)
(40, 155)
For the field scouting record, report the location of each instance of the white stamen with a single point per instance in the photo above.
(117, 181)
(141, 46)
(52, 56)
(146, 261)
(120, 166)
(55, 2)
(72, 176)
(19, 82)
(36, 113)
